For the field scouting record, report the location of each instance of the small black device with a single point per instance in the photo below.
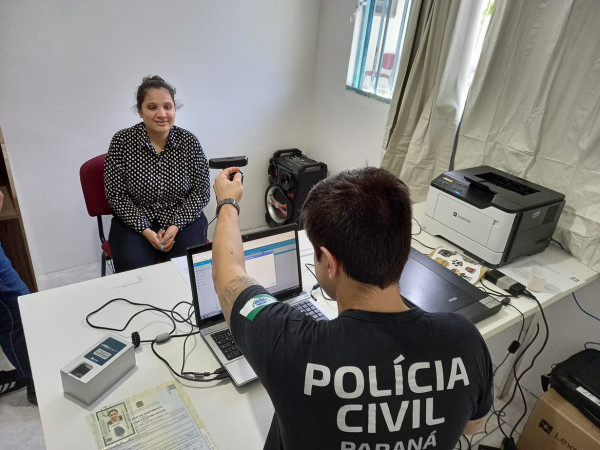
(504, 282)
(229, 161)
(508, 443)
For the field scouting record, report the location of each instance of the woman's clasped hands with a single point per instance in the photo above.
(162, 240)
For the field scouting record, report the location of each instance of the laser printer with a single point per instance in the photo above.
(492, 215)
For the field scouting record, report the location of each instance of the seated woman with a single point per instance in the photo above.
(157, 183)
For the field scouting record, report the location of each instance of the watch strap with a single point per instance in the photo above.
(228, 201)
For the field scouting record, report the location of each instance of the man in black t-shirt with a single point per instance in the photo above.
(381, 375)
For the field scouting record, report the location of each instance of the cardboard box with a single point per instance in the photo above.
(555, 424)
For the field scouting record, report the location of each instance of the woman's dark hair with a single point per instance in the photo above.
(363, 217)
(153, 82)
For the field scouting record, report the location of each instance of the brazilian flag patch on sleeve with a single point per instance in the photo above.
(255, 305)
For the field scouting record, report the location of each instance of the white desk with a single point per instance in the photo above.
(56, 332)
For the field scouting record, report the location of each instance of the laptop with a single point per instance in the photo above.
(273, 259)
(433, 288)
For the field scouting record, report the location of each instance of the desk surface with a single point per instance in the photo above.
(56, 332)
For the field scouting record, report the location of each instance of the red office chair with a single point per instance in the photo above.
(92, 184)
(387, 64)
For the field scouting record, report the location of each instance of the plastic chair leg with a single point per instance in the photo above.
(103, 264)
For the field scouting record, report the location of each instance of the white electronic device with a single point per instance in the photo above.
(492, 215)
(97, 369)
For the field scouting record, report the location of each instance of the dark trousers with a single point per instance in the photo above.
(131, 250)
(12, 338)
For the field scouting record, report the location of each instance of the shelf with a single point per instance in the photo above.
(8, 209)
(12, 231)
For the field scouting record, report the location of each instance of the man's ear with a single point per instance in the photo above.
(333, 265)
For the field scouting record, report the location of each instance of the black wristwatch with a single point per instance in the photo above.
(227, 201)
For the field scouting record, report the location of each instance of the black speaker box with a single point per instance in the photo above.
(291, 177)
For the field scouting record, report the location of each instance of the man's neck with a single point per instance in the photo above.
(354, 295)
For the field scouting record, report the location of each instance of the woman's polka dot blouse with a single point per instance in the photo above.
(144, 187)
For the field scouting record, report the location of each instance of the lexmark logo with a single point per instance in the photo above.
(546, 426)
(457, 215)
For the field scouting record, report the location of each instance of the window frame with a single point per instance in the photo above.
(365, 14)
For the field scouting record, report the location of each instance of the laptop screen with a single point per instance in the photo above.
(271, 257)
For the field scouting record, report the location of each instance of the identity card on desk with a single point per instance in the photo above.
(162, 414)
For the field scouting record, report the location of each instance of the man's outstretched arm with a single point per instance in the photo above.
(229, 270)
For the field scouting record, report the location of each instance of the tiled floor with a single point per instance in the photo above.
(20, 425)
(495, 430)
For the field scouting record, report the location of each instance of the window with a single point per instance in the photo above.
(379, 29)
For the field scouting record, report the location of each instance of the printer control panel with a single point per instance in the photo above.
(449, 184)
(469, 190)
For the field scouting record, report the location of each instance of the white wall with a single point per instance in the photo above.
(68, 74)
(347, 128)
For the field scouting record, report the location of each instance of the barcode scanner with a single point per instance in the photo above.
(229, 161)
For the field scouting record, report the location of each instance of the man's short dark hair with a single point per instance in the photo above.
(363, 217)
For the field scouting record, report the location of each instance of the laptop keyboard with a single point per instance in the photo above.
(309, 309)
(225, 341)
